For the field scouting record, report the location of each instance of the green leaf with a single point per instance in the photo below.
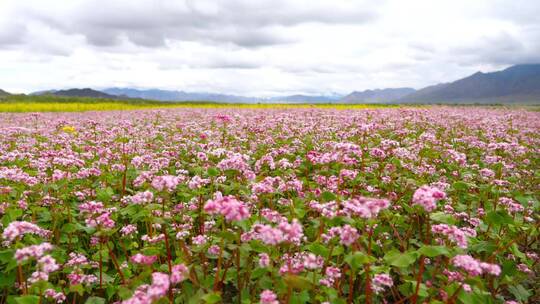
(95, 300)
(319, 249)
(297, 282)
(519, 292)
(358, 259)
(433, 251)
(69, 228)
(213, 171)
(259, 272)
(328, 196)
(6, 255)
(460, 186)
(300, 298)
(515, 250)
(475, 297)
(442, 217)
(77, 288)
(211, 298)
(483, 246)
(30, 299)
(499, 217)
(401, 260)
(104, 195)
(7, 280)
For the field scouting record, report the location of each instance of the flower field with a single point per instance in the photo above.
(290, 205)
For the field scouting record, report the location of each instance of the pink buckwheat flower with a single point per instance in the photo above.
(453, 233)
(228, 206)
(264, 260)
(380, 281)
(165, 182)
(474, 267)
(427, 197)
(33, 251)
(17, 229)
(128, 230)
(58, 297)
(179, 273)
(143, 259)
(268, 297)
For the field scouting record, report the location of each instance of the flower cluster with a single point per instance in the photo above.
(228, 206)
(17, 229)
(427, 197)
(474, 267)
(453, 233)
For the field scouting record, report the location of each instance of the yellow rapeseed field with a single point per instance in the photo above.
(112, 106)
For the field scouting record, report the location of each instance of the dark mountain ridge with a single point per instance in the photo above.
(377, 95)
(4, 93)
(519, 83)
(86, 92)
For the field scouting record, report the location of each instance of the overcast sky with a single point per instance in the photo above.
(260, 47)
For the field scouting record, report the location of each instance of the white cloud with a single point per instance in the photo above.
(265, 47)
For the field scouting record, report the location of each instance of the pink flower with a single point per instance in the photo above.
(160, 286)
(348, 235)
(292, 232)
(143, 259)
(17, 229)
(128, 230)
(33, 251)
(427, 197)
(228, 206)
(453, 233)
(223, 118)
(474, 267)
(45, 266)
(364, 207)
(268, 235)
(76, 259)
(179, 273)
(165, 182)
(153, 239)
(59, 297)
(197, 182)
(264, 260)
(284, 232)
(199, 240)
(380, 281)
(103, 220)
(142, 197)
(331, 274)
(268, 297)
(213, 250)
(510, 205)
(312, 261)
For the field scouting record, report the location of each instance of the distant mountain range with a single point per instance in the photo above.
(377, 96)
(165, 95)
(516, 84)
(3, 93)
(87, 92)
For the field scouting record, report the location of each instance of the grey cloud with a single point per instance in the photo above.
(500, 49)
(516, 11)
(243, 23)
(11, 34)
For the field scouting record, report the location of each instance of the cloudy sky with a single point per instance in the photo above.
(260, 47)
